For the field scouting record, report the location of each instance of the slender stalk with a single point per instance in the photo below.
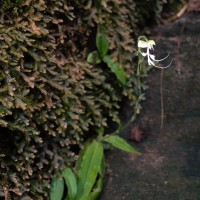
(161, 100)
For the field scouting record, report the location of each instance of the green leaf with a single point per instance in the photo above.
(119, 143)
(57, 188)
(99, 185)
(97, 191)
(119, 72)
(89, 169)
(102, 44)
(93, 58)
(71, 183)
(81, 154)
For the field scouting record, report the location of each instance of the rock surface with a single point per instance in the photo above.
(169, 167)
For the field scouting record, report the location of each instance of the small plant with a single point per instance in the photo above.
(86, 181)
(101, 55)
(144, 43)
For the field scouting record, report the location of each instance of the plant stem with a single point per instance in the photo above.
(161, 100)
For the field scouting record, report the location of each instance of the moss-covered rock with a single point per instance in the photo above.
(51, 99)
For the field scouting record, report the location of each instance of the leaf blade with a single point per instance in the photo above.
(99, 185)
(89, 169)
(57, 188)
(71, 183)
(119, 72)
(93, 58)
(120, 143)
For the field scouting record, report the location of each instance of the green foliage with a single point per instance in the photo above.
(102, 45)
(93, 58)
(119, 72)
(96, 57)
(91, 166)
(57, 188)
(87, 182)
(119, 143)
(71, 183)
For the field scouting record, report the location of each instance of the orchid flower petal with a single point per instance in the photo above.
(151, 43)
(152, 57)
(144, 54)
(142, 44)
(150, 62)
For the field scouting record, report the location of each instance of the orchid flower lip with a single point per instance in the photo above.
(165, 66)
(163, 58)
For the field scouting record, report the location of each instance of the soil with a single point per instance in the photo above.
(169, 166)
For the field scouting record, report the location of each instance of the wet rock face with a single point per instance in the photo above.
(168, 168)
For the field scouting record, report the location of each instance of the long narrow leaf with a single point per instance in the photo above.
(119, 72)
(81, 154)
(57, 188)
(119, 143)
(71, 183)
(89, 169)
(95, 194)
(99, 184)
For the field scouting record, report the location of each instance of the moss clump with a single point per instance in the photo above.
(50, 97)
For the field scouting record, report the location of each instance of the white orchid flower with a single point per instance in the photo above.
(148, 45)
